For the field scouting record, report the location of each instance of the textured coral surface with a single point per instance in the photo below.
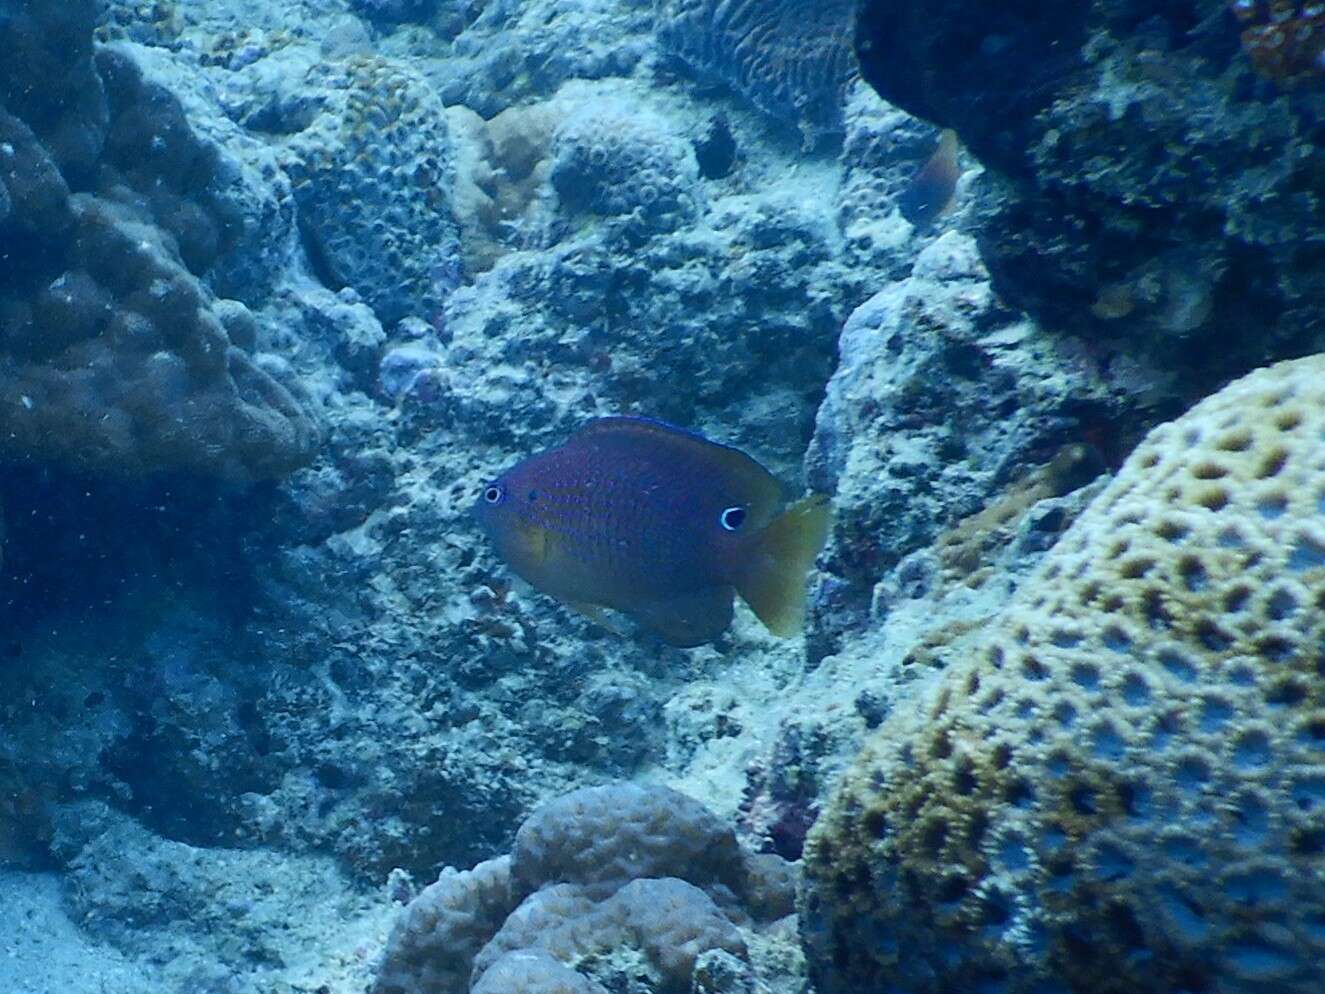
(791, 59)
(1146, 180)
(1120, 787)
(116, 359)
(601, 876)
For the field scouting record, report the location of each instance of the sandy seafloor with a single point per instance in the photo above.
(45, 951)
(260, 686)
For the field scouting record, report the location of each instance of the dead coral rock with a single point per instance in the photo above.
(1144, 178)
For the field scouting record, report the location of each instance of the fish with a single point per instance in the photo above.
(929, 193)
(635, 515)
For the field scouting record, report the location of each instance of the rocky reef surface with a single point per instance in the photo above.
(284, 283)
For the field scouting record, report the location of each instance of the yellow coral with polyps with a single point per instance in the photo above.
(1122, 787)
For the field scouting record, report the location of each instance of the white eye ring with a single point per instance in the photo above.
(732, 518)
(494, 494)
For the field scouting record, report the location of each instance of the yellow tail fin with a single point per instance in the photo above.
(772, 582)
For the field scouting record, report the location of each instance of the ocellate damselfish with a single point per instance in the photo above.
(659, 523)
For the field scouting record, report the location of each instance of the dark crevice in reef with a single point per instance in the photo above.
(77, 545)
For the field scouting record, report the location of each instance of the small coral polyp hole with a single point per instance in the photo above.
(996, 909)
(875, 823)
(1213, 498)
(1308, 841)
(1136, 691)
(1193, 772)
(1213, 637)
(1172, 531)
(1209, 471)
(953, 889)
(934, 835)
(942, 746)
(1157, 614)
(1134, 569)
(1235, 441)
(1252, 749)
(1082, 799)
(1288, 420)
(1281, 604)
(1306, 554)
(1273, 464)
(1272, 507)
(1086, 675)
(1276, 649)
(1231, 538)
(1020, 794)
(1192, 571)
(963, 780)
(976, 829)
(1115, 639)
(1032, 668)
(1236, 599)
(1286, 693)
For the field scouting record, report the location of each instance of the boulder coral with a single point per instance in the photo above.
(617, 159)
(1121, 786)
(114, 358)
(621, 870)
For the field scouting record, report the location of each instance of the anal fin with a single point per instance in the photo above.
(688, 619)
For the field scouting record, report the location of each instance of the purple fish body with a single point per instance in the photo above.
(638, 516)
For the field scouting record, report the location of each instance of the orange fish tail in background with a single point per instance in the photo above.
(930, 193)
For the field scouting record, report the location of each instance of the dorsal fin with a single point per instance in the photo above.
(757, 486)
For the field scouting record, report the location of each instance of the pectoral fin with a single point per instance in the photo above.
(599, 616)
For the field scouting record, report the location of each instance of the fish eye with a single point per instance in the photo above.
(732, 518)
(494, 494)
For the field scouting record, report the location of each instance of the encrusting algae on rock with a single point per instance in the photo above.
(659, 523)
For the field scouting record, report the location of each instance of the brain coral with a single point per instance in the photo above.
(372, 176)
(655, 832)
(642, 873)
(791, 60)
(1122, 789)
